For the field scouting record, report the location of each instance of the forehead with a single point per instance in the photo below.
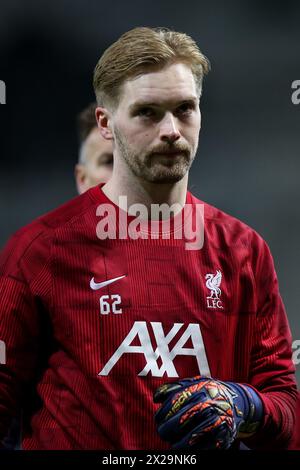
(173, 83)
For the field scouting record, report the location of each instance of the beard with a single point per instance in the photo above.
(157, 165)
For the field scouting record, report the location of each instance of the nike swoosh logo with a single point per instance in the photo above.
(98, 285)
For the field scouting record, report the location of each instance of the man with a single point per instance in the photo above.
(130, 336)
(95, 154)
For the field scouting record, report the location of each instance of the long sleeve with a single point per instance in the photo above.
(19, 322)
(18, 331)
(295, 444)
(272, 369)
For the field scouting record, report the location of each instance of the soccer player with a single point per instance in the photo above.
(95, 153)
(126, 332)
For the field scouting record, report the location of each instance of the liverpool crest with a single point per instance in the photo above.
(213, 282)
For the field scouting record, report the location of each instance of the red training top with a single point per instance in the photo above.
(84, 356)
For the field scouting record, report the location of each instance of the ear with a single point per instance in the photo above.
(103, 121)
(80, 178)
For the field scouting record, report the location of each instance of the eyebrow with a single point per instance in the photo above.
(139, 104)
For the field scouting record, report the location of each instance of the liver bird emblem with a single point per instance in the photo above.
(213, 282)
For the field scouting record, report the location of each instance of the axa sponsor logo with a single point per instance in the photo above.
(160, 361)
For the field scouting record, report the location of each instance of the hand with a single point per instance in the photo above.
(206, 413)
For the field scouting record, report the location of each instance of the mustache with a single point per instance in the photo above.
(170, 149)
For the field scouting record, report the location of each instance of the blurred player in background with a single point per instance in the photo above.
(95, 153)
(94, 167)
(116, 341)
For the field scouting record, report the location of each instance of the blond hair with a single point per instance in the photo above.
(142, 50)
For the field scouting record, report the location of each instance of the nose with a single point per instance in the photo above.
(169, 131)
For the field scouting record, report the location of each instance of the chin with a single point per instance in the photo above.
(170, 175)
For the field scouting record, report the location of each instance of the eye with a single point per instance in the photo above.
(185, 109)
(105, 159)
(146, 112)
(109, 161)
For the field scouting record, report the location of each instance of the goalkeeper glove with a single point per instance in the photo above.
(206, 413)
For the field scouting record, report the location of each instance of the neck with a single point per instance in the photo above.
(144, 192)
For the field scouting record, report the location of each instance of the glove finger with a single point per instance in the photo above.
(180, 423)
(164, 391)
(199, 438)
(195, 438)
(214, 432)
(184, 396)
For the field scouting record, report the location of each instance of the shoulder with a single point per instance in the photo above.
(31, 245)
(224, 230)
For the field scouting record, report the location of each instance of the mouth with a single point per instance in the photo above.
(169, 153)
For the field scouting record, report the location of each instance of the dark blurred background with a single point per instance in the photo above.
(248, 160)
